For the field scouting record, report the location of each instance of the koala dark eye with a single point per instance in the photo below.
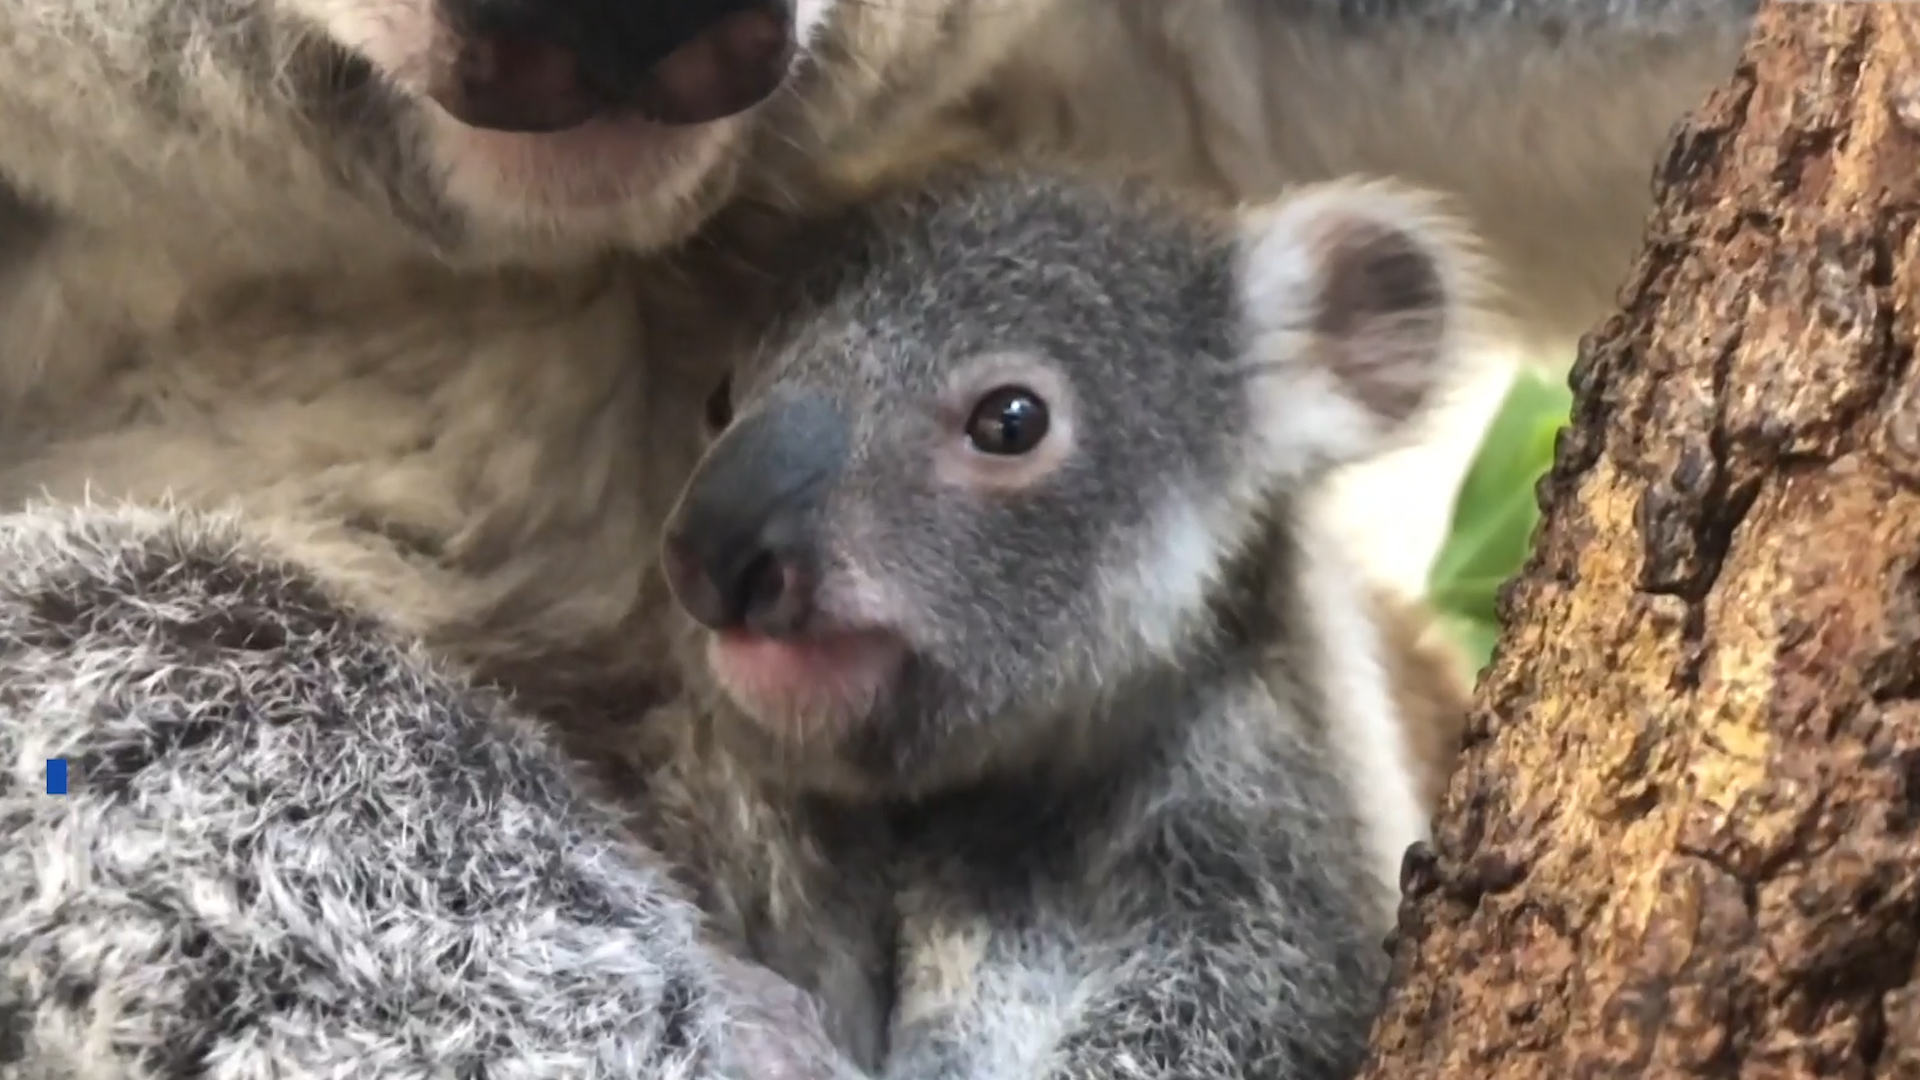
(1007, 422)
(720, 406)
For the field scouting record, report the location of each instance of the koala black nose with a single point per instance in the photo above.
(758, 589)
(741, 549)
(551, 65)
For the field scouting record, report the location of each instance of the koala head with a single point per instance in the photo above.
(477, 131)
(1001, 464)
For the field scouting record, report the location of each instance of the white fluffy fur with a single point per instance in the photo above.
(1368, 739)
(1312, 420)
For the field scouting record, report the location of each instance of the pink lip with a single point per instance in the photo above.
(827, 679)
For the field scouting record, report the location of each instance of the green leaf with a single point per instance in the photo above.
(1495, 512)
(1485, 552)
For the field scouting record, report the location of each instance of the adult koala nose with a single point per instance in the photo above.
(553, 65)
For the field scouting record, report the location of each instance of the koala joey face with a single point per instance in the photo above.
(996, 472)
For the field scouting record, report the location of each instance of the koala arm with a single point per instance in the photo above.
(1544, 119)
(1226, 930)
(290, 846)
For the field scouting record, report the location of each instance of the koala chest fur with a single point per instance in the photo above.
(923, 928)
(800, 885)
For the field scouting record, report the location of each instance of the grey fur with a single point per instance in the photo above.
(1103, 835)
(292, 848)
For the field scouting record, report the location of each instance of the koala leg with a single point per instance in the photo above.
(292, 847)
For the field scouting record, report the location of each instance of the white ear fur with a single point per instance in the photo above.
(1357, 299)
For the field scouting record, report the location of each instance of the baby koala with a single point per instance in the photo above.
(1000, 567)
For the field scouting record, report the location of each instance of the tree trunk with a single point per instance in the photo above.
(1684, 840)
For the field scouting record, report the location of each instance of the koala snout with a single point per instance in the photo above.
(741, 549)
(552, 65)
(761, 589)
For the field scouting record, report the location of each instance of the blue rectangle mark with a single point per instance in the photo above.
(56, 776)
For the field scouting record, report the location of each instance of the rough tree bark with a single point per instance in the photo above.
(1685, 837)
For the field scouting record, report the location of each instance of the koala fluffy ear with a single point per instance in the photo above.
(1356, 300)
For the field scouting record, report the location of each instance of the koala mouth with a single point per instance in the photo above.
(533, 77)
(798, 686)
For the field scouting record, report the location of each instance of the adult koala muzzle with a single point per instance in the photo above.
(553, 65)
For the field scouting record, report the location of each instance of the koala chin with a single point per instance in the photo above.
(290, 134)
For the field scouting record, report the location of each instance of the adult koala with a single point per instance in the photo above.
(355, 298)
